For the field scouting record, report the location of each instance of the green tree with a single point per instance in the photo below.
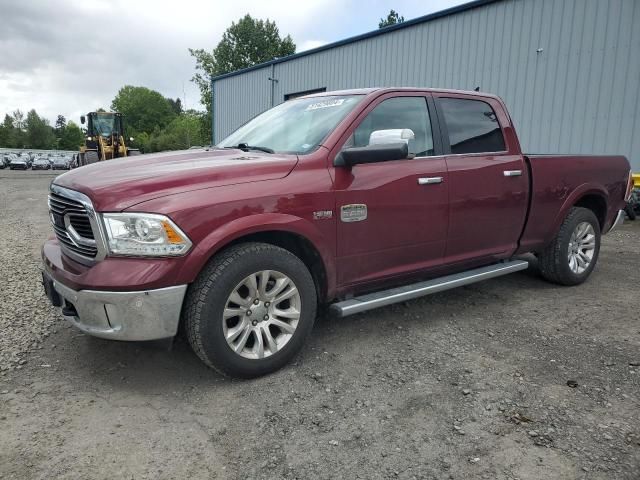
(71, 138)
(393, 18)
(19, 137)
(39, 133)
(144, 109)
(18, 119)
(243, 44)
(176, 105)
(7, 132)
(183, 132)
(143, 141)
(61, 123)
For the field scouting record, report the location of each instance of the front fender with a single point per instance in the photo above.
(251, 224)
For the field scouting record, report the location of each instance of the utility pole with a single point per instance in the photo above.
(273, 81)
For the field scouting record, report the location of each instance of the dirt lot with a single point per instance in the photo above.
(471, 383)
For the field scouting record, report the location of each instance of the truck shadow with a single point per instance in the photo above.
(151, 367)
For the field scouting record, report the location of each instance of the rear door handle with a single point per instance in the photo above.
(429, 180)
(512, 173)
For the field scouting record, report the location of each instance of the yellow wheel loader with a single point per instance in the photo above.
(104, 139)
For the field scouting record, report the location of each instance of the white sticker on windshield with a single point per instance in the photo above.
(325, 104)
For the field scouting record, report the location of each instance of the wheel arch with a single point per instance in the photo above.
(294, 234)
(297, 244)
(592, 197)
(595, 202)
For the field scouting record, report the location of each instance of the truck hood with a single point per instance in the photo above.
(118, 184)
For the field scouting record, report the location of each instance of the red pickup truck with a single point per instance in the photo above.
(353, 199)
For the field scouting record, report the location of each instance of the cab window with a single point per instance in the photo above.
(472, 126)
(398, 113)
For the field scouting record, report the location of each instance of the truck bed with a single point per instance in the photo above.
(558, 181)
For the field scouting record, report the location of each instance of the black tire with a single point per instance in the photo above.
(553, 260)
(207, 297)
(91, 157)
(630, 211)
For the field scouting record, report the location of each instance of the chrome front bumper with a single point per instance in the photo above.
(618, 221)
(143, 315)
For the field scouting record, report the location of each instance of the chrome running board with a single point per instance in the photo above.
(420, 289)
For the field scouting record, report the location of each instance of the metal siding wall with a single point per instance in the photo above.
(240, 98)
(579, 95)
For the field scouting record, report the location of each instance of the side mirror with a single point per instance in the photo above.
(372, 154)
(384, 145)
(82, 119)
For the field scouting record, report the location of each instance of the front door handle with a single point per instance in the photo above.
(429, 180)
(512, 173)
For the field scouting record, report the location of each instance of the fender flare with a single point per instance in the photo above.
(574, 197)
(219, 238)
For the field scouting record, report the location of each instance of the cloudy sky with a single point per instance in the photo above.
(71, 56)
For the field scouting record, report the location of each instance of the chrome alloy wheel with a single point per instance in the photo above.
(582, 246)
(261, 314)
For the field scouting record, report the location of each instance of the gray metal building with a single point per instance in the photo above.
(569, 70)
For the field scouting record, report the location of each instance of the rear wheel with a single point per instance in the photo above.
(250, 310)
(572, 255)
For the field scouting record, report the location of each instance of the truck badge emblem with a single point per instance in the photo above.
(322, 214)
(356, 212)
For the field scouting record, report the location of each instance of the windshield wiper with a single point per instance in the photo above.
(245, 147)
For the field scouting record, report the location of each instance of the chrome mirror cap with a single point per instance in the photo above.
(394, 135)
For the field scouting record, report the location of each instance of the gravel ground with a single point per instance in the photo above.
(513, 378)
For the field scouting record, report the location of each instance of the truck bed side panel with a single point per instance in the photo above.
(560, 181)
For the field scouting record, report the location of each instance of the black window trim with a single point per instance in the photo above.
(444, 132)
(436, 132)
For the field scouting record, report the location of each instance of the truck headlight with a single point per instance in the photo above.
(144, 234)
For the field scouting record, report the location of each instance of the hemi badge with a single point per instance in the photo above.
(323, 214)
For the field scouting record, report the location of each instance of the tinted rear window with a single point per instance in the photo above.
(472, 125)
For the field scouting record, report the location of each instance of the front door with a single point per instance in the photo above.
(392, 216)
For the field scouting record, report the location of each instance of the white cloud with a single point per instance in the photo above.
(69, 57)
(310, 45)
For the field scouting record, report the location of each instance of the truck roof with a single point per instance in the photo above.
(367, 91)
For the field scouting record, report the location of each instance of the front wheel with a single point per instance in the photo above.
(250, 310)
(572, 255)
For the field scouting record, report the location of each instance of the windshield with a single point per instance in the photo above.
(296, 126)
(104, 124)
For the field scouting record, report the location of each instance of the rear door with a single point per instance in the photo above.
(488, 179)
(393, 214)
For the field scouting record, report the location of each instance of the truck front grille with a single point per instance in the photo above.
(72, 225)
